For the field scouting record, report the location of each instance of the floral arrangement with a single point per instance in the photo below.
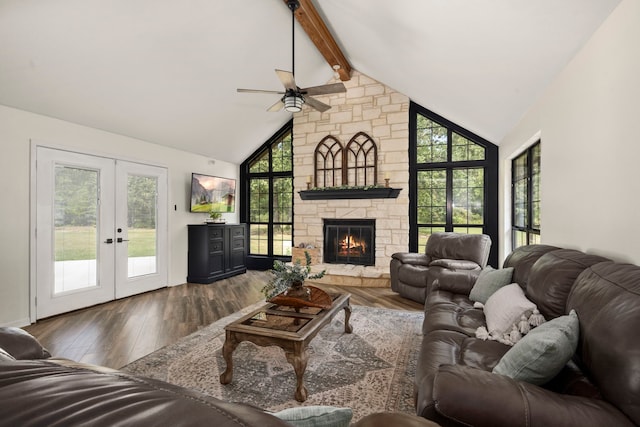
(286, 275)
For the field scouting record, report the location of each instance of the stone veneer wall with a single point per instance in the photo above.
(382, 113)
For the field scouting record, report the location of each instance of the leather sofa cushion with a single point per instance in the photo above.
(459, 282)
(458, 315)
(606, 297)
(442, 347)
(522, 259)
(441, 296)
(552, 277)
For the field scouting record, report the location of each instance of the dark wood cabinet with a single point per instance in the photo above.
(216, 251)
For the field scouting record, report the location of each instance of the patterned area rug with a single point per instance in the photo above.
(370, 370)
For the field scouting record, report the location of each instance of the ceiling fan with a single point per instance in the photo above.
(293, 96)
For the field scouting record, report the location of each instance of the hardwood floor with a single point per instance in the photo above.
(119, 332)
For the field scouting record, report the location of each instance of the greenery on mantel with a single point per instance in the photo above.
(347, 187)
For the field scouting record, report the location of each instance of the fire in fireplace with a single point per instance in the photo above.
(349, 241)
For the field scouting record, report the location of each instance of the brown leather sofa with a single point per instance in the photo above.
(412, 273)
(36, 390)
(600, 386)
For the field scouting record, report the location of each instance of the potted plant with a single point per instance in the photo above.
(288, 279)
(215, 216)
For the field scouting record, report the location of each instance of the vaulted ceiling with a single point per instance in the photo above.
(167, 71)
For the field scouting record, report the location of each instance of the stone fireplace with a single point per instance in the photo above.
(383, 114)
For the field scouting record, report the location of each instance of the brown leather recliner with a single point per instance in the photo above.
(413, 273)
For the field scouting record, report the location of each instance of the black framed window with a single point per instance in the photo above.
(267, 200)
(525, 197)
(453, 180)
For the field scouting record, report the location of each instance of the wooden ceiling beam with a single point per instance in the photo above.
(314, 26)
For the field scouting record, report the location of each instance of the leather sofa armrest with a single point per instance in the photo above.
(412, 258)
(475, 397)
(21, 345)
(455, 264)
(457, 282)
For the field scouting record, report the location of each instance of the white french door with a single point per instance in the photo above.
(101, 230)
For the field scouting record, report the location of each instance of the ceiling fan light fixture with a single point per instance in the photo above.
(293, 103)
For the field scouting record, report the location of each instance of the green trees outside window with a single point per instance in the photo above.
(453, 179)
(268, 179)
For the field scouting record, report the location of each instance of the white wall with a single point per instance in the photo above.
(589, 122)
(17, 128)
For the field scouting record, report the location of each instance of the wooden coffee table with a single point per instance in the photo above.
(285, 327)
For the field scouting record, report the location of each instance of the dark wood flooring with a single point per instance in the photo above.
(119, 332)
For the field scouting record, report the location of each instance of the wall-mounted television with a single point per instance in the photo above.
(212, 193)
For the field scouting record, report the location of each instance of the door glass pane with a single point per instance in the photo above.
(75, 217)
(141, 223)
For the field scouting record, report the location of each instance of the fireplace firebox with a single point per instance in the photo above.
(349, 241)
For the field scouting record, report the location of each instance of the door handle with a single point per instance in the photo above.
(120, 240)
(109, 241)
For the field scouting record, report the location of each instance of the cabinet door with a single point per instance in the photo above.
(237, 252)
(216, 251)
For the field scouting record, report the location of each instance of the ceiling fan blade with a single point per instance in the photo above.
(314, 103)
(325, 89)
(260, 91)
(276, 107)
(286, 77)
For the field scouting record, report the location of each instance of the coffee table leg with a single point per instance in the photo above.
(347, 315)
(230, 344)
(298, 358)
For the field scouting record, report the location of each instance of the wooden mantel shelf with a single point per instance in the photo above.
(350, 193)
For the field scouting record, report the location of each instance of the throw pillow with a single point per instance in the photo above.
(316, 416)
(504, 309)
(489, 280)
(542, 353)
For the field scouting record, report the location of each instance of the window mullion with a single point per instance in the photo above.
(449, 217)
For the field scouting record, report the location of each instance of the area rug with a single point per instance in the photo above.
(370, 370)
